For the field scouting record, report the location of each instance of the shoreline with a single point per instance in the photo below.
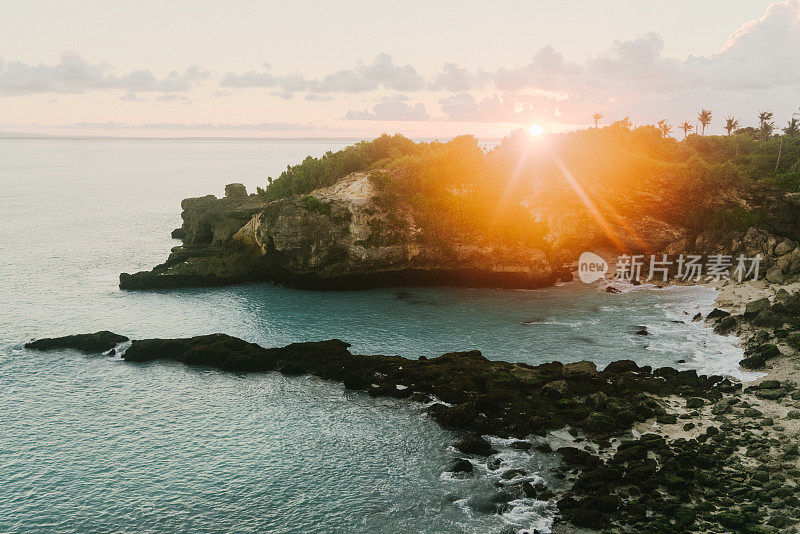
(733, 430)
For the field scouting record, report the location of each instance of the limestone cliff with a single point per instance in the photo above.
(336, 237)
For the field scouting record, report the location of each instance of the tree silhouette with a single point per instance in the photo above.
(665, 128)
(793, 128)
(597, 116)
(705, 118)
(731, 124)
(686, 127)
(766, 125)
(625, 122)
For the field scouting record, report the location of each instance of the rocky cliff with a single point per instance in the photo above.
(336, 237)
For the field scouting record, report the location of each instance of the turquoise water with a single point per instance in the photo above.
(91, 444)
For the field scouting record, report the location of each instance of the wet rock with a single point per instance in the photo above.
(460, 465)
(757, 356)
(522, 445)
(98, 342)
(726, 325)
(474, 444)
(512, 474)
(612, 289)
(493, 503)
(717, 314)
(698, 317)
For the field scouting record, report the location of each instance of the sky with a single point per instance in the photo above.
(352, 68)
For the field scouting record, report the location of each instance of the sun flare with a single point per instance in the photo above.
(535, 130)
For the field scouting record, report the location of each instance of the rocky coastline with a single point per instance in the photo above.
(654, 450)
(338, 237)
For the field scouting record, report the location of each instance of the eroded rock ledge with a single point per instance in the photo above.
(334, 238)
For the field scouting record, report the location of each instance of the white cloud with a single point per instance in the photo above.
(381, 73)
(457, 79)
(390, 109)
(73, 74)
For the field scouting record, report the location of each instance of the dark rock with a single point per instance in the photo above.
(461, 465)
(717, 314)
(695, 402)
(770, 394)
(474, 444)
(612, 289)
(755, 307)
(621, 366)
(726, 325)
(97, 342)
(698, 317)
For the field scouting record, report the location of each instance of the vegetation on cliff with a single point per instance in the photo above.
(618, 171)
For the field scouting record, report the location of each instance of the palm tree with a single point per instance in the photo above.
(597, 116)
(731, 124)
(705, 118)
(686, 127)
(793, 128)
(665, 128)
(766, 125)
(625, 122)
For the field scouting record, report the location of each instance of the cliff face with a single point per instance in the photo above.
(337, 237)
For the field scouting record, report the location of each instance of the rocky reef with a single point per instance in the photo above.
(98, 342)
(620, 483)
(336, 237)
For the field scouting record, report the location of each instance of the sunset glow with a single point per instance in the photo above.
(535, 130)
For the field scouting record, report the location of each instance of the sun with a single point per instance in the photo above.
(535, 130)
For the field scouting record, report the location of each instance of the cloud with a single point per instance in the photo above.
(457, 79)
(172, 97)
(381, 73)
(390, 109)
(73, 74)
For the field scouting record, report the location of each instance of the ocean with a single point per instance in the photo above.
(94, 444)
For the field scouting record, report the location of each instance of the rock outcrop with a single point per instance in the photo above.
(337, 237)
